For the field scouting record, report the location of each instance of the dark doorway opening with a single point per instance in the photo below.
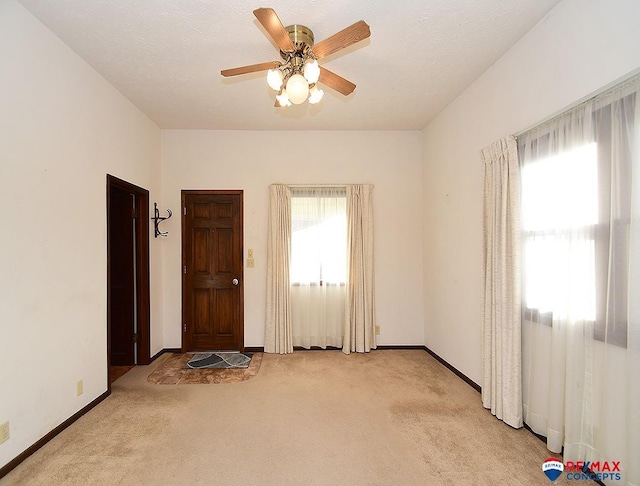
(128, 321)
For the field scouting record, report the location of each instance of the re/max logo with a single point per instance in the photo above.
(605, 466)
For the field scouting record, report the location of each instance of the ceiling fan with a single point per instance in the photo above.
(295, 77)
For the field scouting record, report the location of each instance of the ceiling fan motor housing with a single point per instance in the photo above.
(302, 38)
(300, 35)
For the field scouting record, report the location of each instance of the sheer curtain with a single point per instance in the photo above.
(318, 266)
(501, 345)
(580, 247)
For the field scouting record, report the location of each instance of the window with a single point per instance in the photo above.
(318, 236)
(320, 250)
(576, 203)
(318, 271)
(559, 215)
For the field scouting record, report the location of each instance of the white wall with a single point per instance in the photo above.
(62, 129)
(581, 46)
(253, 160)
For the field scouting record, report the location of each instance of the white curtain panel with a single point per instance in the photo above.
(360, 326)
(318, 266)
(501, 344)
(581, 280)
(317, 314)
(631, 450)
(278, 332)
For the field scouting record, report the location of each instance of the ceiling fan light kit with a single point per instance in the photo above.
(275, 79)
(295, 78)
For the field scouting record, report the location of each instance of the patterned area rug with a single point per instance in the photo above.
(171, 371)
(219, 360)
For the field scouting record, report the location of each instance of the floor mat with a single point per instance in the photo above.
(219, 360)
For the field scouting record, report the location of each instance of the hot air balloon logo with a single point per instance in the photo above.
(552, 468)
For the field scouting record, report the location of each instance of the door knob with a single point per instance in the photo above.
(235, 281)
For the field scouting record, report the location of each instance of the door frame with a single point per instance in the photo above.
(143, 299)
(212, 192)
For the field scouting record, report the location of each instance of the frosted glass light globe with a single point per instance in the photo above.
(283, 100)
(312, 71)
(315, 95)
(297, 89)
(274, 79)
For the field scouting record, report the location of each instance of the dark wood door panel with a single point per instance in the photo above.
(201, 251)
(212, 280)
(225, 305)
(202, 305)
(223, 243)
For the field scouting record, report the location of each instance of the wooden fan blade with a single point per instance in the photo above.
(355, 33)
(336, 82)
(270, 21)
(253, 68)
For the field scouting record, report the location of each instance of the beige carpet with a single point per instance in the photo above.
(310, 418)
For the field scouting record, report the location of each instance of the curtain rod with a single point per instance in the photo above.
(302, 186)
(312, 186)
(590, 97)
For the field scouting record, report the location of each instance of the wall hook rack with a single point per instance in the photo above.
(157, 219)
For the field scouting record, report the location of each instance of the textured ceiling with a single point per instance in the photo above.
(166, 56)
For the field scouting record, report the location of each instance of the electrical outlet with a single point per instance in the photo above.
(377, 330)
(79, 388)
(4, 432)
(251, 263)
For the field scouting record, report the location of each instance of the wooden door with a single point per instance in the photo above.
(212, 285)
(128, 309)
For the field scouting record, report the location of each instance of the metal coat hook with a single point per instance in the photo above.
(157, 219)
